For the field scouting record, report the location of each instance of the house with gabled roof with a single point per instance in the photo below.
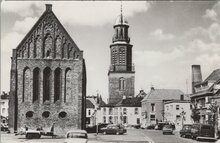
(153, 104)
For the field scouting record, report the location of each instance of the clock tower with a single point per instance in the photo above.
(121, 72)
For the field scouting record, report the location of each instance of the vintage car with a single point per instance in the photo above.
(186, 130)
(167, 129)
(76, 136)
(202, 131)
(113, 129)
(93, 129)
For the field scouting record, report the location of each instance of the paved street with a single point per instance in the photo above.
(132, 136)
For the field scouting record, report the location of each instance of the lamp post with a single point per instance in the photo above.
(96, 122)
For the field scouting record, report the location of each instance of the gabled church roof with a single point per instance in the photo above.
(48, 15)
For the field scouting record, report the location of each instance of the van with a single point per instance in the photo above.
(202, 131)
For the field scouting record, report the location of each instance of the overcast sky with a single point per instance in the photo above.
(167, 38)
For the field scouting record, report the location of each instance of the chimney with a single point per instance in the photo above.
(48, 7)
(196, 76)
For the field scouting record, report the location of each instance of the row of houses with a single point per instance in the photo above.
(162, 105)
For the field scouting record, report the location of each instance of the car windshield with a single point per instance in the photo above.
(77, 135)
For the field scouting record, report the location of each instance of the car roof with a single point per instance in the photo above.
(77, 131)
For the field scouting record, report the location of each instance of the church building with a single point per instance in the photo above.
(48, 79)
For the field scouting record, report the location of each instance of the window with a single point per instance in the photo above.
(136, 111)
(152, 107)
(121, 55)
(104, 119)
(57, 84)
(110, 119)
(36, 84)
(152, 118)
(67, 85)
(110, 111)
(122, 83)
(124, 111)
(138, 120)
(177, 107)
(181, 97)
(167, 107)
(124, 119)
(89, 112)
(46, 84)
(177, 117)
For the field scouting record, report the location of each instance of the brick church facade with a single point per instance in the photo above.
(48, 79)
(121, 72)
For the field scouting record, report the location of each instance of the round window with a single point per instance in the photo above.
(46, 114)
(29, 114)
(62, 114)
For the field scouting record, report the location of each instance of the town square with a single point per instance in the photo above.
(110, 71)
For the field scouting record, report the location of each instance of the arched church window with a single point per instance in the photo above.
(37, 47)
(122, 55)
(67, 86)
(26, 84)
(57, 84)
(58, 47)
(36, 84)
(47, 46)
(122, 83)
(46, 84)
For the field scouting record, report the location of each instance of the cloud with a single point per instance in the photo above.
(25, 25)
(214, 13)
(159, 35)
(76, 13)
(9, 42)
(212, 32)
(154, 58)
(210, 13)
(21, 8)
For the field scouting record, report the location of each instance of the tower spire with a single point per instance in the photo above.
(121, 13)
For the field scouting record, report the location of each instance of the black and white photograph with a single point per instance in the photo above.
(110, 71)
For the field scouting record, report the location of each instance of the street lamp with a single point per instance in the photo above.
(183, 113)
(96, 121)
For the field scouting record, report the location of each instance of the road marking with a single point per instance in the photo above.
(147, 138)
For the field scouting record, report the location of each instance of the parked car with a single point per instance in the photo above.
(202, 131)
(152, 126)
(167, 129)
(76, 136)
(113, 129)
(92, 129)
(186, 131)
(160, 125)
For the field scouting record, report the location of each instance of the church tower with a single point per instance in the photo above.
(121, 72)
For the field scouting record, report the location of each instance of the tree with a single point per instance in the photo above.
(195, 113)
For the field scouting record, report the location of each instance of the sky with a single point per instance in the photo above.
(167, 37)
